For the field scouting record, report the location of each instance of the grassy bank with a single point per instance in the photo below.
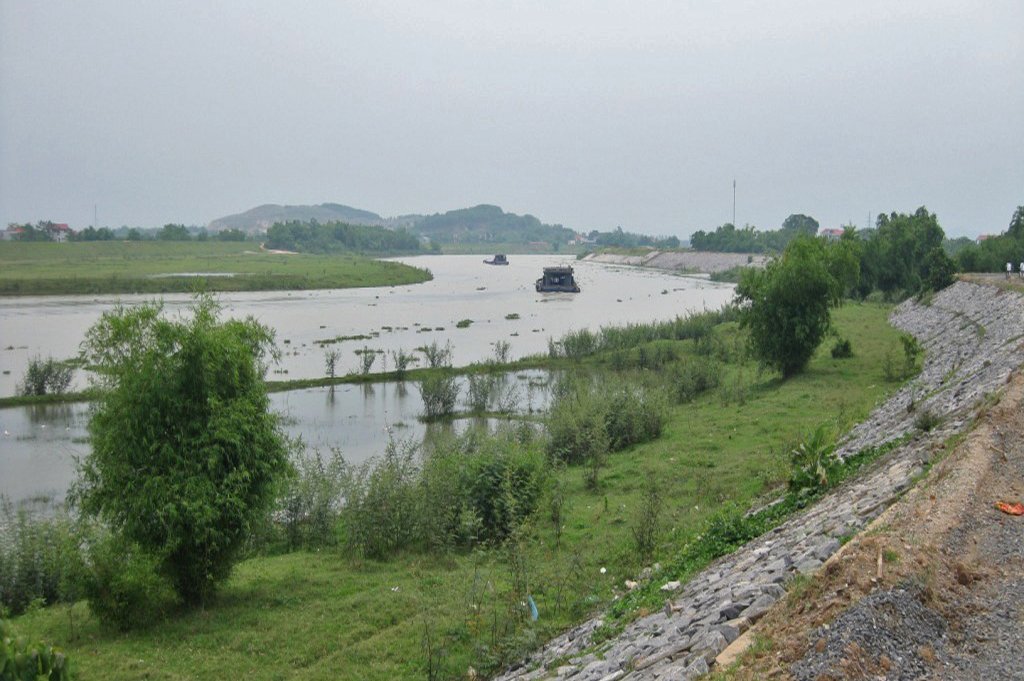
(329, 615)
(148, 267)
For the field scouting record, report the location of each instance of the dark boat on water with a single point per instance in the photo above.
(499, 259)
(557, 280)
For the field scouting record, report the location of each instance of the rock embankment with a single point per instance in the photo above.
(681, 261)
(972, 335)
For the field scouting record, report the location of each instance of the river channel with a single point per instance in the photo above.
(38, 444)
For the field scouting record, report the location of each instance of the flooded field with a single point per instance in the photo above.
(38, 444)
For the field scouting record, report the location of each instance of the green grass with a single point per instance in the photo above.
(139, 266)
(327, 615)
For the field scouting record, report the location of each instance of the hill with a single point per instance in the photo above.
(486, 223)
(263, 217)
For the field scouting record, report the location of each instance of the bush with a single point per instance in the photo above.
(20, 659)
(40, 559)
(814, 463)
(695, 377)
(927, 421)
(45, 377)
(479, 388)
(123, 585)
(633, 415)
(309, 506)
(842, 349)
(381, 511)
(645, 526)
(440, 393)
(186, 453)
(437, 355)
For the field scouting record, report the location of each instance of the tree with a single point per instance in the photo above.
(786, 305)
(174, 233)
(185, 450)
(800, 224)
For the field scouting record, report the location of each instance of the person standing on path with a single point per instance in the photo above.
(1009, 269)
(1020, 272)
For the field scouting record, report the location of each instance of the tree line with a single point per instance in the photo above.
(335, 237)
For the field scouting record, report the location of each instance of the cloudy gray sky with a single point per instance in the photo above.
(591, 113)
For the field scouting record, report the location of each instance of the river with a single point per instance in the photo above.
(38, 444)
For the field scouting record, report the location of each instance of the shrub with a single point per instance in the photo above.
(366, 359)
(437, 355)
(440, 393)
(695, 377)
(186, 453)
(814, 463)
(842, 349)
(479, 388)
(927, 421)
(20, 659)
(463, 323)
(645, 526)
(40, 559)
(45, 377)
(124, 586)
(402, 361)
(381, 511)
(502, 350)
(633, 415)
(311, 501)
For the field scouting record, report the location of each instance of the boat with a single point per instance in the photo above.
(499, 259)
(557, 280)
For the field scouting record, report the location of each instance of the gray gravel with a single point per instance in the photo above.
(895, 624)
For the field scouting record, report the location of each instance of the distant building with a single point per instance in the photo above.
(831, 233)
(12, 232)
(982, 237)
(59, 231)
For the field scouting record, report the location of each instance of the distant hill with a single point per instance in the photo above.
(485, 223)
(479, 224)
(263, 217)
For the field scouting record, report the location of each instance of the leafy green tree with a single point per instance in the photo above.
(174, 233)
(185, 449)
(801, 224)
(786, 305)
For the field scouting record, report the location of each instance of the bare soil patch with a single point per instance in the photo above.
(934, 588)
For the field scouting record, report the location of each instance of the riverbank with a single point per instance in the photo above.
(680, 261)
(328, 615)
(970, 334)
(154, 267)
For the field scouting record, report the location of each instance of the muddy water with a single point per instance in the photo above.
(38, 445)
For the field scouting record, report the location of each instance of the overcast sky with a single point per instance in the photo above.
(587, 113)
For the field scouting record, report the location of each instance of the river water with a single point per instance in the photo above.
(38, 444)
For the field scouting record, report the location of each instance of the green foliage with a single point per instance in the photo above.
(40, 559)
(174, 233)
(646, 524)
(381, 511)
(309, 506)
(366, 359)
(694, 377)
(618, 238)
(463, 323)
(479, 388)
(489, 224)
(124, 586)
(502, 351)
(584, 343)
(633, 414)
(440, 393)
(727, 238)
(336, 237)
(814, 464)
(842, 349)
(437, 355)
(927, 421)
(331, 358)
(21, 660)
(937, 271)
(45, 377)
(908, 365)
(402, 361)
(185, 451)
(992, 254)
(894, 256)
(786, 305)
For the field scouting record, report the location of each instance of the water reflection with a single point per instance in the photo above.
(40, 442)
